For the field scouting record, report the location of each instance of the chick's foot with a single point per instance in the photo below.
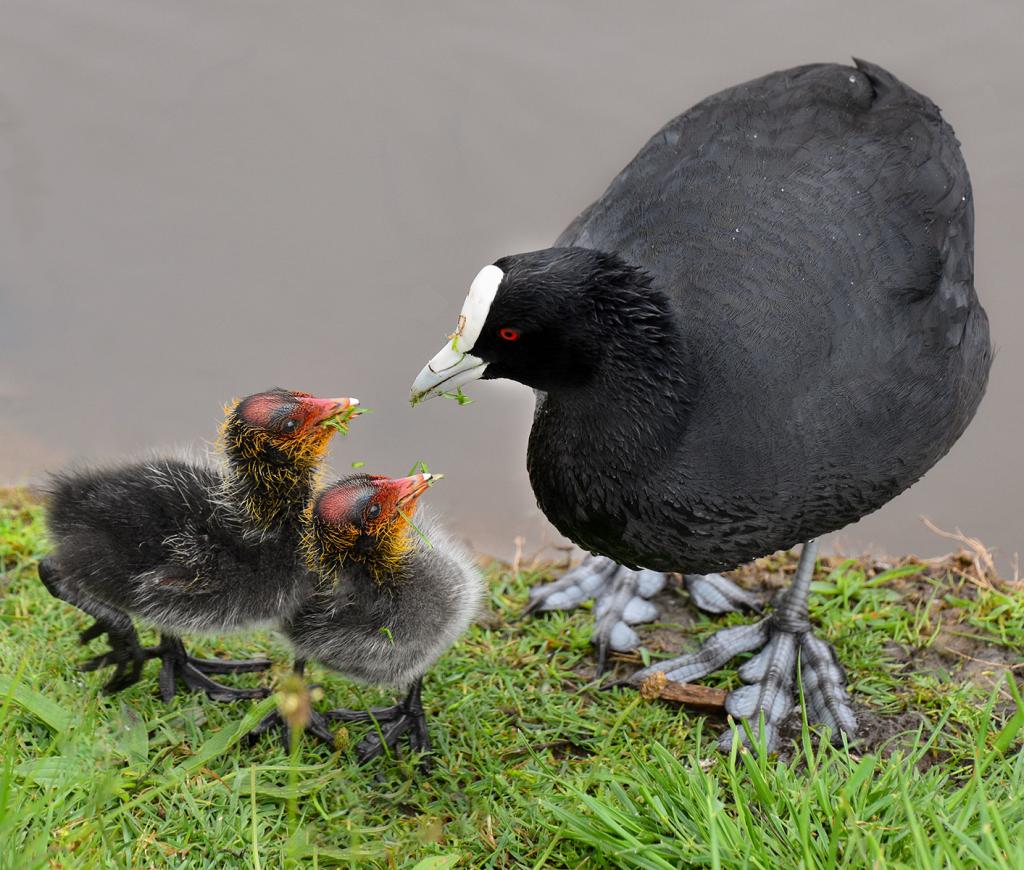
(126, 655)
(318, 725)
(177, 665)
(392, 723)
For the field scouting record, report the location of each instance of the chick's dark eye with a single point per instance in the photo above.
(509, 334)
(290, 426)
(373, 512)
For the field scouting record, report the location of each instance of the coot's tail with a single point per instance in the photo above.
(889, 90)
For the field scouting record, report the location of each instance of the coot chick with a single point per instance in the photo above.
(396, 591)
(763, 330)
(189, 547)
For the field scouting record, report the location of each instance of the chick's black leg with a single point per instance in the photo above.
(228, 666)
(621, 600)
(125, 655)
(317, 725)
(784, 638)
(406, 717)
(177, 664)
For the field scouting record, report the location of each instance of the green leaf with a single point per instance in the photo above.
(55, 717)
(341, 420)
(438, 862)
(222, 741)
(1008, 733)
(218, 744)
(459, 397)
(134, 736)
(416, 528)
(50, 772)
(298, 789)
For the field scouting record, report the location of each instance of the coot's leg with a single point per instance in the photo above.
(317, 725)
(178, 665)
(125, 655)
(621, 600)
(406, 717)
(784, 638)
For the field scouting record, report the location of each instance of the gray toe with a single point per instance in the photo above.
(639, 610)
(714, 652)
(714, 593)
(574, 587)
(824, 683)
(622, 638)
(650, 583)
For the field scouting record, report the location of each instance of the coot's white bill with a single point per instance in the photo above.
(447, 371)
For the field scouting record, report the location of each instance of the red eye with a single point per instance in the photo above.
(509, 334)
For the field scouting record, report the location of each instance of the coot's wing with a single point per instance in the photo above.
(824, 169)
(822, 201)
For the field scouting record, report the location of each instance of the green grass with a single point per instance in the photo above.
(534, 766)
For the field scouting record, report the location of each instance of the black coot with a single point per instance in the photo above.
(763, 330)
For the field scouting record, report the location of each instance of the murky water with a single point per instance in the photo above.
(201, 199)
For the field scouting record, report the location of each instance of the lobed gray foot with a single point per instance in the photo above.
(714, 593)
(770, 677)
(621, 601)
(786, 645)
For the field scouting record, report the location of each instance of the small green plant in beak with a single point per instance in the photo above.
(459, 397)
(423, 466)
(415, 528)
(341, 420)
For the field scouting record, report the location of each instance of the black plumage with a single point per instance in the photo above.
(190, 547)
(763, 330)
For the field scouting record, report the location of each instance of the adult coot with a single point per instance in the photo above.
(763, 330)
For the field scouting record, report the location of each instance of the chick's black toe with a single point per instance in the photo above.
(318, 726)
(126, 655)
(230, 666)
(177, 665)
(392, 723)
(91, 633)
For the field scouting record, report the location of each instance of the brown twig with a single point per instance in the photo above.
(704, 698)
(517, 559)
(963, 655)
(975, 551)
